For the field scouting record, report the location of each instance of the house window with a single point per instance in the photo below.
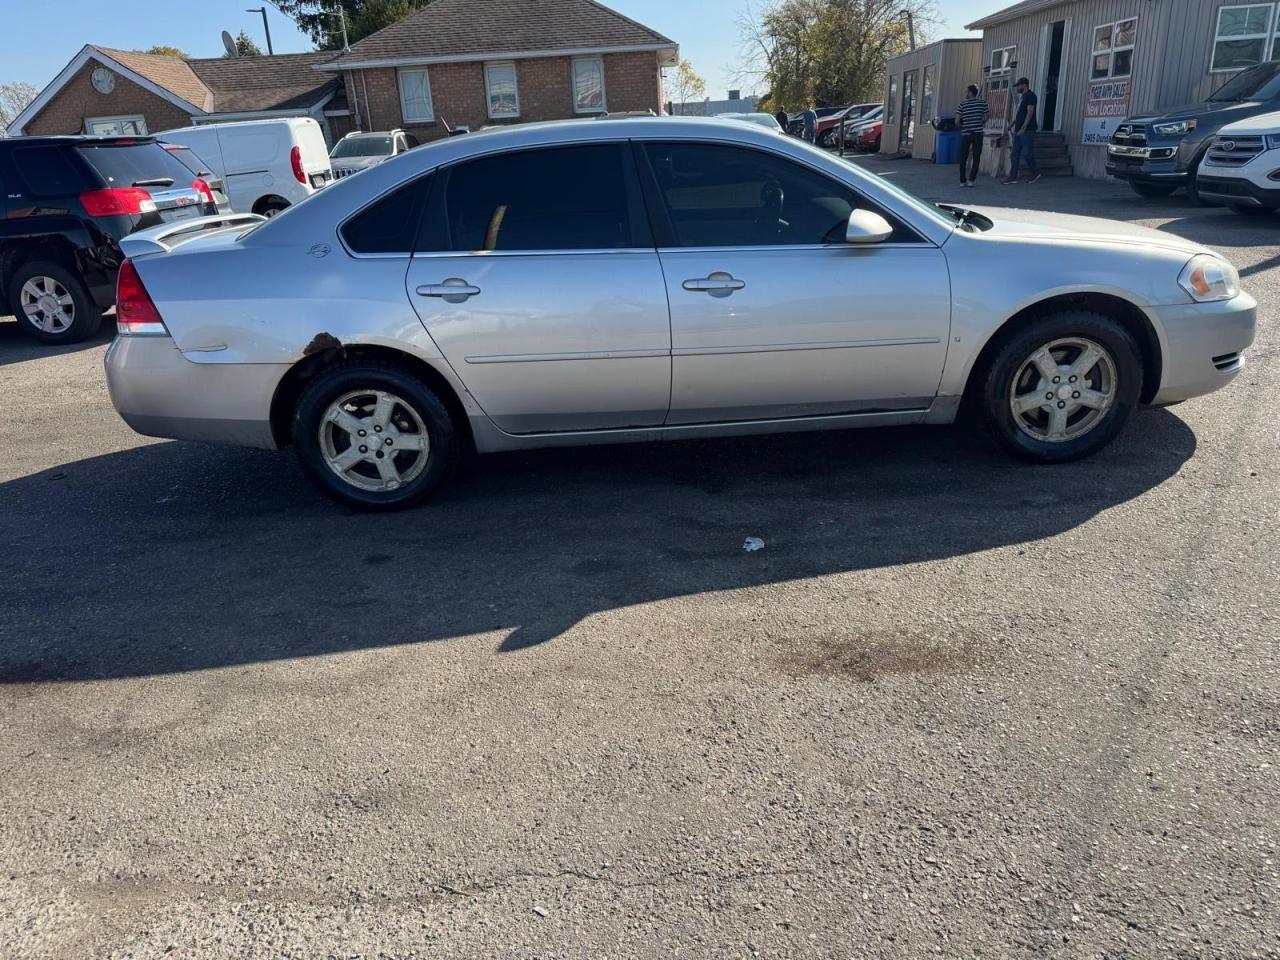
(415, 96)
(1241, 37)
(1113, 49)
(890, 117)
(588, 85)
(115, 126)
(500, 89)
(1002, 60)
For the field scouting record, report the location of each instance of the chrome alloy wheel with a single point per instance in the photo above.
(1063, 390)
(374, 440)
(47, 304)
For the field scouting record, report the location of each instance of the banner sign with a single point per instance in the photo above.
(1105, 105)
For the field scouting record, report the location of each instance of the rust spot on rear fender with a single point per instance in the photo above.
(322, 341)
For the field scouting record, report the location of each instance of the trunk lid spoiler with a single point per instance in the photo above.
(165, 237)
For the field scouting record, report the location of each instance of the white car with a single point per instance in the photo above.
(1242, 166)
(265, 165)
(359, 151)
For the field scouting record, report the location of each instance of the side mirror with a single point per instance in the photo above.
(867, 227)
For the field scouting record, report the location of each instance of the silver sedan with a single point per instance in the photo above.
(646, 279)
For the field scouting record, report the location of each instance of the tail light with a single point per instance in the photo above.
(201, 186)
(295, 158)
(117, 201)
(136, 313)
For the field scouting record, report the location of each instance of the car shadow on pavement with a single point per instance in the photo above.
(175, 557)
(16, 346)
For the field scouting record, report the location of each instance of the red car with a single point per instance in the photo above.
(828, 128)
(865, 136)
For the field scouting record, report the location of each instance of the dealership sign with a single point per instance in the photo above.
(1105, 105)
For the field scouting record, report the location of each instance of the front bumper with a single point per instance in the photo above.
(160, 393)
(1204, 345)
(1144, 170)
(1237, 190)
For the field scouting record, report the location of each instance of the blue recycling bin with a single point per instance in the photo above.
(947, 147)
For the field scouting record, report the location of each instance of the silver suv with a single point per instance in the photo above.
(359, 151)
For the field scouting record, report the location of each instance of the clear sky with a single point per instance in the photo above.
(40, 36)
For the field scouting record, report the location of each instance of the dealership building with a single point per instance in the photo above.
(1094, 62)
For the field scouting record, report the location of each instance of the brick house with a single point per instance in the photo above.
(478, 63)
(108, 91)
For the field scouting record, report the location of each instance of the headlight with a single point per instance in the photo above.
(1176, 129)
(1207, 278)
(1273, 142)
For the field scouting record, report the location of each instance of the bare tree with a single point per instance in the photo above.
(14, 98)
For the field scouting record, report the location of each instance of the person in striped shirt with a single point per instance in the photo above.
(971, 116)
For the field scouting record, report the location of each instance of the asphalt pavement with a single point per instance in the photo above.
(955, 706)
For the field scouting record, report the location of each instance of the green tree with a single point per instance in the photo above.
(319, 18)
(245, 47)
(165, 51)
(830, 52)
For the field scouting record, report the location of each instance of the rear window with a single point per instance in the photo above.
(47, 171)
(123, 166)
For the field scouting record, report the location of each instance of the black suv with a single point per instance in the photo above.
(1158, 153)
(65, 202)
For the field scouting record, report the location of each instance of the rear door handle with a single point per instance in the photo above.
(454, 290)
(717, 284)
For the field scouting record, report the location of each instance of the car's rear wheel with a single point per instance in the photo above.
(52, 304)
(372, 435)
(1152, 190)
(1062, 387)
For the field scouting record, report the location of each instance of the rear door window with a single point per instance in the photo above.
(125, 165)
(47, 171)
(389, 225)
(564, 198)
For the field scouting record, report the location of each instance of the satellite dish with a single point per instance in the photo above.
(229, 44)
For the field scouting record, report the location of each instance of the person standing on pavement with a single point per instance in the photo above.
(1024, 132)
(783, 119)
(971, 115)
(810, 124)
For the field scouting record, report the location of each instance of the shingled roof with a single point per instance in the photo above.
(282, 82)
(456, 29)
(236, 84)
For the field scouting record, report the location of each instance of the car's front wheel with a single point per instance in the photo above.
(52, 303)
(373, 435)
(1062, 387)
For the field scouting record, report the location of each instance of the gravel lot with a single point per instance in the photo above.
(955, 706)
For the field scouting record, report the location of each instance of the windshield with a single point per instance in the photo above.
(363, 147)
(1257, 83)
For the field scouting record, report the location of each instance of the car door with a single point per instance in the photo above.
(538, 280)
(773, 314)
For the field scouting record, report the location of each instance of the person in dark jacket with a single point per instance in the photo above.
(783, 119)
(971, 117)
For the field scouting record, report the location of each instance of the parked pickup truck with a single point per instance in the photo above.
(1158, 153)
(1242, 166)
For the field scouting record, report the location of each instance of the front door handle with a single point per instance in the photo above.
(717, 284)
(453, 290)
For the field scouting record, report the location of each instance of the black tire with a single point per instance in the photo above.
(997, 385)
(1247, 210)
(827, 139)
(389, 377)
(86, 316)
(1152, 190)
(270, 208)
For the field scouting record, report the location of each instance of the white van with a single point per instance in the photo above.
(265, 165)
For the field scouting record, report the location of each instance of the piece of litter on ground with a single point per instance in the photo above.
(751, 544)
(540, 911)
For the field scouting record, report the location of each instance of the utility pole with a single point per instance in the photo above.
(911, 28)
(342, 18)
(265, 26)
